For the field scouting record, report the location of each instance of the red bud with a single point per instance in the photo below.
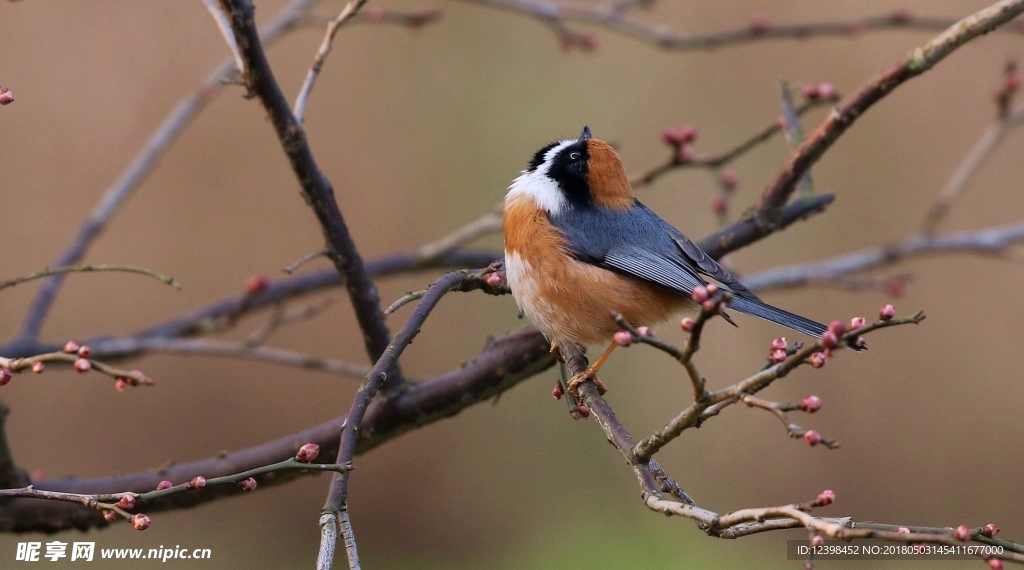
(71, 347)
(828, 339)
(887, 312)
(780, 343)
(82, 365)
(990, 530)
(811, 404)
(127, 502)
(256, 285)
(248, 485)
(38, 367)
(623, 338)
(198, 482)
(164, 485)
(84, 351)
(700, 294)
(812, 438)
(817, 359)
(826, 497)
(5, 376)
(687, 324)
(307, 452)
(111, 516)
(962, 533)
(140, 522)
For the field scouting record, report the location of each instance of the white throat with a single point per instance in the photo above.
(539, 187)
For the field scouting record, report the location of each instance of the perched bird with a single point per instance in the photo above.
(578, 245)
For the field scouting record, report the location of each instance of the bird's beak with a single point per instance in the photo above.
(585, 135)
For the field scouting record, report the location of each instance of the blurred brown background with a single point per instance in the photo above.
(422, 131)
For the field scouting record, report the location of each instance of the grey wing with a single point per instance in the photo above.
(706, 265)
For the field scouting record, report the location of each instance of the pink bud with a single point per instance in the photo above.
(827, 92)
(256, 285)
(248, 485)
(644, 331)
(828, 339)
(728, 179)
(837, 328)
(374, 14)
(140, 522)
(198, 482)
(685, 154)
(710, 306)
(493, 279)
(994, 563)
(811, 404)
(687, 133)
(583, 411)
(818, 540)
(557, 392)
(826, 497)
(902, 16)
(817, 359)
(38, 367)
(760, 24)
(780, 343)
(859, 342)
(307, 452)
(778, 356)
(962, 533)
(887, 312)
(671, 136)
(623, 338)
(903, 530)
(687, 324)
(719, 204)
(82, 365)
(71, 347)
(6, 97)
(810, 91)
(5, 376)
(990, 530)
(120, 385)
(857, 322)
(127, 502)
(896, 287)
(111, 516)
(700, 294)
(84, 351)
(712, 289)
(164, 485)
(812, 438)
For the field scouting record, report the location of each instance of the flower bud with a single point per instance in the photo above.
(583, 411)
(817, 359)
(623, 338)
(493, 279)
(38, 367)
(687, 324)
(557, 392)
(827, 92)
(811, 404)
(837, 328)
(671, 136)
(778, 356)
(140, 522)
(644, 331)
(6, 97)
(812, 438)
(857, 322)
(962, 533)
(826, 497)
(994, 563)
(685, 154)
(84, 351)
(687, 134)
(990, 530)
(710, 306)
(700, 294)
(71, 347)
(809, 91)
(256, 285)
(164, 485)
(111, 516)
(719, 204)
(248, 484)
(818, 540)
(5, 376)
(120, 385)
(887, 312)
(82, 365)
(127, 502)
(903, 530)
(828, 339)
(780, 343)
(198, 482)
(728, 179)
(307, 452)
(712, 289)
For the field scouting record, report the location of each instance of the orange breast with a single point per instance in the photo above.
(568, 300)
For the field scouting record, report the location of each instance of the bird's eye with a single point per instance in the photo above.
(574, 155)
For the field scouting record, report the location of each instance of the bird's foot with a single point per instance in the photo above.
(589, 374)
(556, 352)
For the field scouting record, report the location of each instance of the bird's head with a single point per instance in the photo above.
(584, 172)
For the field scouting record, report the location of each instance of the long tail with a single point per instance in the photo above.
(782, 317)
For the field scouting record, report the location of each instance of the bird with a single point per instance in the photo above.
(579, 246)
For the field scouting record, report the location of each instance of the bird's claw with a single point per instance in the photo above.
(589, 374)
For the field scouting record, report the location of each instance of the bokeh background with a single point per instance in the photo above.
(420, 132)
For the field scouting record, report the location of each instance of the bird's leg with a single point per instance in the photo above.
(591, 374)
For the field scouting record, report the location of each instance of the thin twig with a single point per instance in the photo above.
(50, 271)
(350, 9)
(225, 31)
(969, 166)
(305, 259)
(135, 377)
(281, 318)
(488, 223)
(405, 300)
